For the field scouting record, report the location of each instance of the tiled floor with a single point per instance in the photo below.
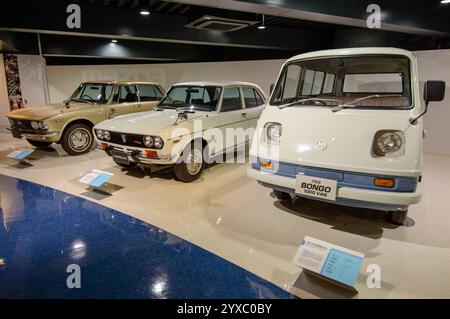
(229, 214)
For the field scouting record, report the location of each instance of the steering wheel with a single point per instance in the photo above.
(89, 97)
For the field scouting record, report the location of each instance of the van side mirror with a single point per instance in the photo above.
(271, 88)
(433, 91)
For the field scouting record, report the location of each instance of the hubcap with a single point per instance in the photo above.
(194, 161)
(79, 139)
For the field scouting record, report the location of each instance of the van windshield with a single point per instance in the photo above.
(356, 81)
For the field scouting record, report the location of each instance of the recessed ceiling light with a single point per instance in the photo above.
(144, 12)
(445, 1)
(114, 41)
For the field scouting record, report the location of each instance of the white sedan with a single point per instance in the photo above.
(195, 123)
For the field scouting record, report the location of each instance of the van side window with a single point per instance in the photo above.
(328, 86)
(231, 100)
(312, 82)
(126, 94)
(149, 93)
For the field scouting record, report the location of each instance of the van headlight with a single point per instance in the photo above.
(389, 143)
(273, 133)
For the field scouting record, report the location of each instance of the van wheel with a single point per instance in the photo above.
(77, 139)
(398, 217)
(282, 195)
(192, 164)
(130, 165)
(39, 144)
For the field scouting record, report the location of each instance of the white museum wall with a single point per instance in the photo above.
(435, 65)
(63, 80)
(4, 101)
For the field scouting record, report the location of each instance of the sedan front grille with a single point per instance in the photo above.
(21, 124)
(133, 140)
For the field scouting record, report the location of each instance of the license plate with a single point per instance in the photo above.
(16, 133)
(120, 157)
(316, 187)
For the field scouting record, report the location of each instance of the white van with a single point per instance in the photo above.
(346, 126)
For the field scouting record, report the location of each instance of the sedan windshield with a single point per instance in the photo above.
(380, 81)
(202, 98)
(97, 93)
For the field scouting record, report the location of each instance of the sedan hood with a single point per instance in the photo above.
(144, 123)
(43, 112)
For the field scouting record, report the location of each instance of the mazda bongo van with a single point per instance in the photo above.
(346, 126)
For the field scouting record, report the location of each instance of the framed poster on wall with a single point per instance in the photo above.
(13, 81)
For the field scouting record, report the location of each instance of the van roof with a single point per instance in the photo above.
(353, 51)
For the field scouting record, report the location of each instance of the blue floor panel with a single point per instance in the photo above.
(43, 231)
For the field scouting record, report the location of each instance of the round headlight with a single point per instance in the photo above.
(273, 133)
(35, 125)
(43, 125)
(158, 142)
(148, 141)
(100, 134)
(389, 143)
(106, 136)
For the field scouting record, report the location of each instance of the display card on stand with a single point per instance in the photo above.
(333, 263)
(96, 178)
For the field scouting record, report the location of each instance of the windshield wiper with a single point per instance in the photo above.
(307, 100)
(352, 103)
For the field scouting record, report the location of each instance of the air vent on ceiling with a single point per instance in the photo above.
(212, 23)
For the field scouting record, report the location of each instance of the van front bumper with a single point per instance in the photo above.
(348, 196)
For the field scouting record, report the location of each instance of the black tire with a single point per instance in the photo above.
(281, 195)
(398, 217)
(184, 170)
(39, 144)
(130, 165)
(72, 147)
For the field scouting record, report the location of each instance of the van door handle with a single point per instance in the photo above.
(244, 114)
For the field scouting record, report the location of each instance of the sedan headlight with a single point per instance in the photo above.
(39, 125)
(106, 136)
(43, 126)
(389, 143)
(148, 141)
(273, 133)
(158, 143)
(99, 134)
(35, 125)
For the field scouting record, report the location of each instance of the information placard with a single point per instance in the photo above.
(20, 154)
(338, 264)
(96, 178)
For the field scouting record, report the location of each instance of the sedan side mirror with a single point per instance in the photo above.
(271, 88)
(433, 91)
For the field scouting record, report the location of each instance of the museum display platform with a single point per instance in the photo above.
(224, 219)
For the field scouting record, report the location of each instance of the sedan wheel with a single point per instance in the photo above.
(77, 139)
(191, 166)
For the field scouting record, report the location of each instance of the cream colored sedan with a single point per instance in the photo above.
(194, 123)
